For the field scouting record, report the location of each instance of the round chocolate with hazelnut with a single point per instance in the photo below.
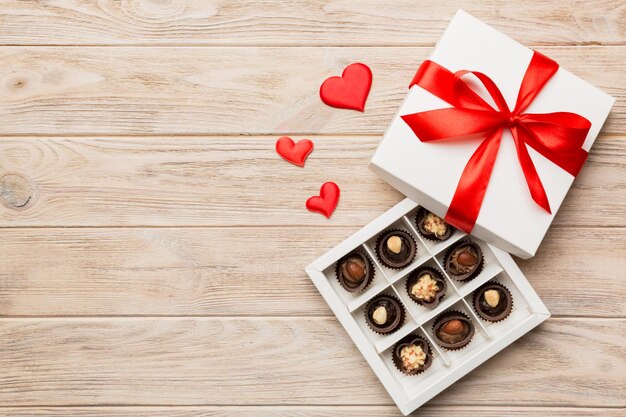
(426, 286)
(453, 330)
(384, 314)
(431, 226)
(412, 355)
(355, 271)
(493, 302)
(464, 261)
(395, 248)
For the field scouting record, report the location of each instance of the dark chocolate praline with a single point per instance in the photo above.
(393, 314)
(416, 359)
(422, 297)
(431, 226)
(355, 271)
(396, 248)
(464, 261)
(453, 330)
(493, 302)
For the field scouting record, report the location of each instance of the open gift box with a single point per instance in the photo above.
(357, 279)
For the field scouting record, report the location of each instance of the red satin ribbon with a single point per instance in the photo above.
(557, 136)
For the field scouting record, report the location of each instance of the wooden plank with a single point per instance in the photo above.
(209, 90)
(304, 22)
(284, 362)
(304, 411)
(252, 271)
(215, 181)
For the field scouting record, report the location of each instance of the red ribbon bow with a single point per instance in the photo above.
(557, 136)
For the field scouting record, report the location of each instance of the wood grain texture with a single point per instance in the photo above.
(216, 181)
(250, 90)
(99, 235)
(305, 411)
(250, 362)
(252, 271)
(301, 22)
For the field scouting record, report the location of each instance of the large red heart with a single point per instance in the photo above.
(350, 90)
(326, 202)
(295, 153)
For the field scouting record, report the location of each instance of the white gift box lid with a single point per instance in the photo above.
(430, 172)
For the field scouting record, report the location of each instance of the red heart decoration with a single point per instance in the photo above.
(295, 153)
(326, 202)
(350, 90)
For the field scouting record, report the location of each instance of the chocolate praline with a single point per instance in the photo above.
(493, 302)
(453, 330)
(412, 355)
(384, 314)
(464, 261)
(423, 294)
(431, 226)
(396, 248)
(355, 271)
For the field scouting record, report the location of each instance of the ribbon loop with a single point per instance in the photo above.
(557, 136)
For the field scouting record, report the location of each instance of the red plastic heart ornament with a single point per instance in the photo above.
(326, 202)
(350, 90)
(296, 153)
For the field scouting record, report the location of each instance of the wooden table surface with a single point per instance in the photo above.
(153, 245)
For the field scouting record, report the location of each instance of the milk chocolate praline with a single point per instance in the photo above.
(355, 271)
(395, 248)
(384, 314)
(431, 226)
(453, 330)
(412, 355)
(493, 302)
(428, 296)
(464, 261)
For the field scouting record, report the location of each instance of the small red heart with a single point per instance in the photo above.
(295, 153)
(326, 202)
(350, 90)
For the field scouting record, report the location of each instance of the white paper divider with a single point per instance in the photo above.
(476, 319)
(416, 264)
(488, 272)
(439, 351)
(367, 295)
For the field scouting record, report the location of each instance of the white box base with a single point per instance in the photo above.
(410, 392)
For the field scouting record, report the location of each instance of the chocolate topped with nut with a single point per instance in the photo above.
(431, 226)
(493, 302)
(453, 330)
(354, 271)
(384, 314)
(464, 261)
(426, 286)
(395, 248)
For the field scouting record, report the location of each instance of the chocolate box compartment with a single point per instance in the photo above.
(421, 256)
(520, 312)
(424, 379)
(481, 338)
(433, 246)
(410, 392)
(355, 300)
(423, 314)
(491, 267)
(382, 342)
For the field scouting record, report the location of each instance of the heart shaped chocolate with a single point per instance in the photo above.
(426, 286)
(412, 355)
